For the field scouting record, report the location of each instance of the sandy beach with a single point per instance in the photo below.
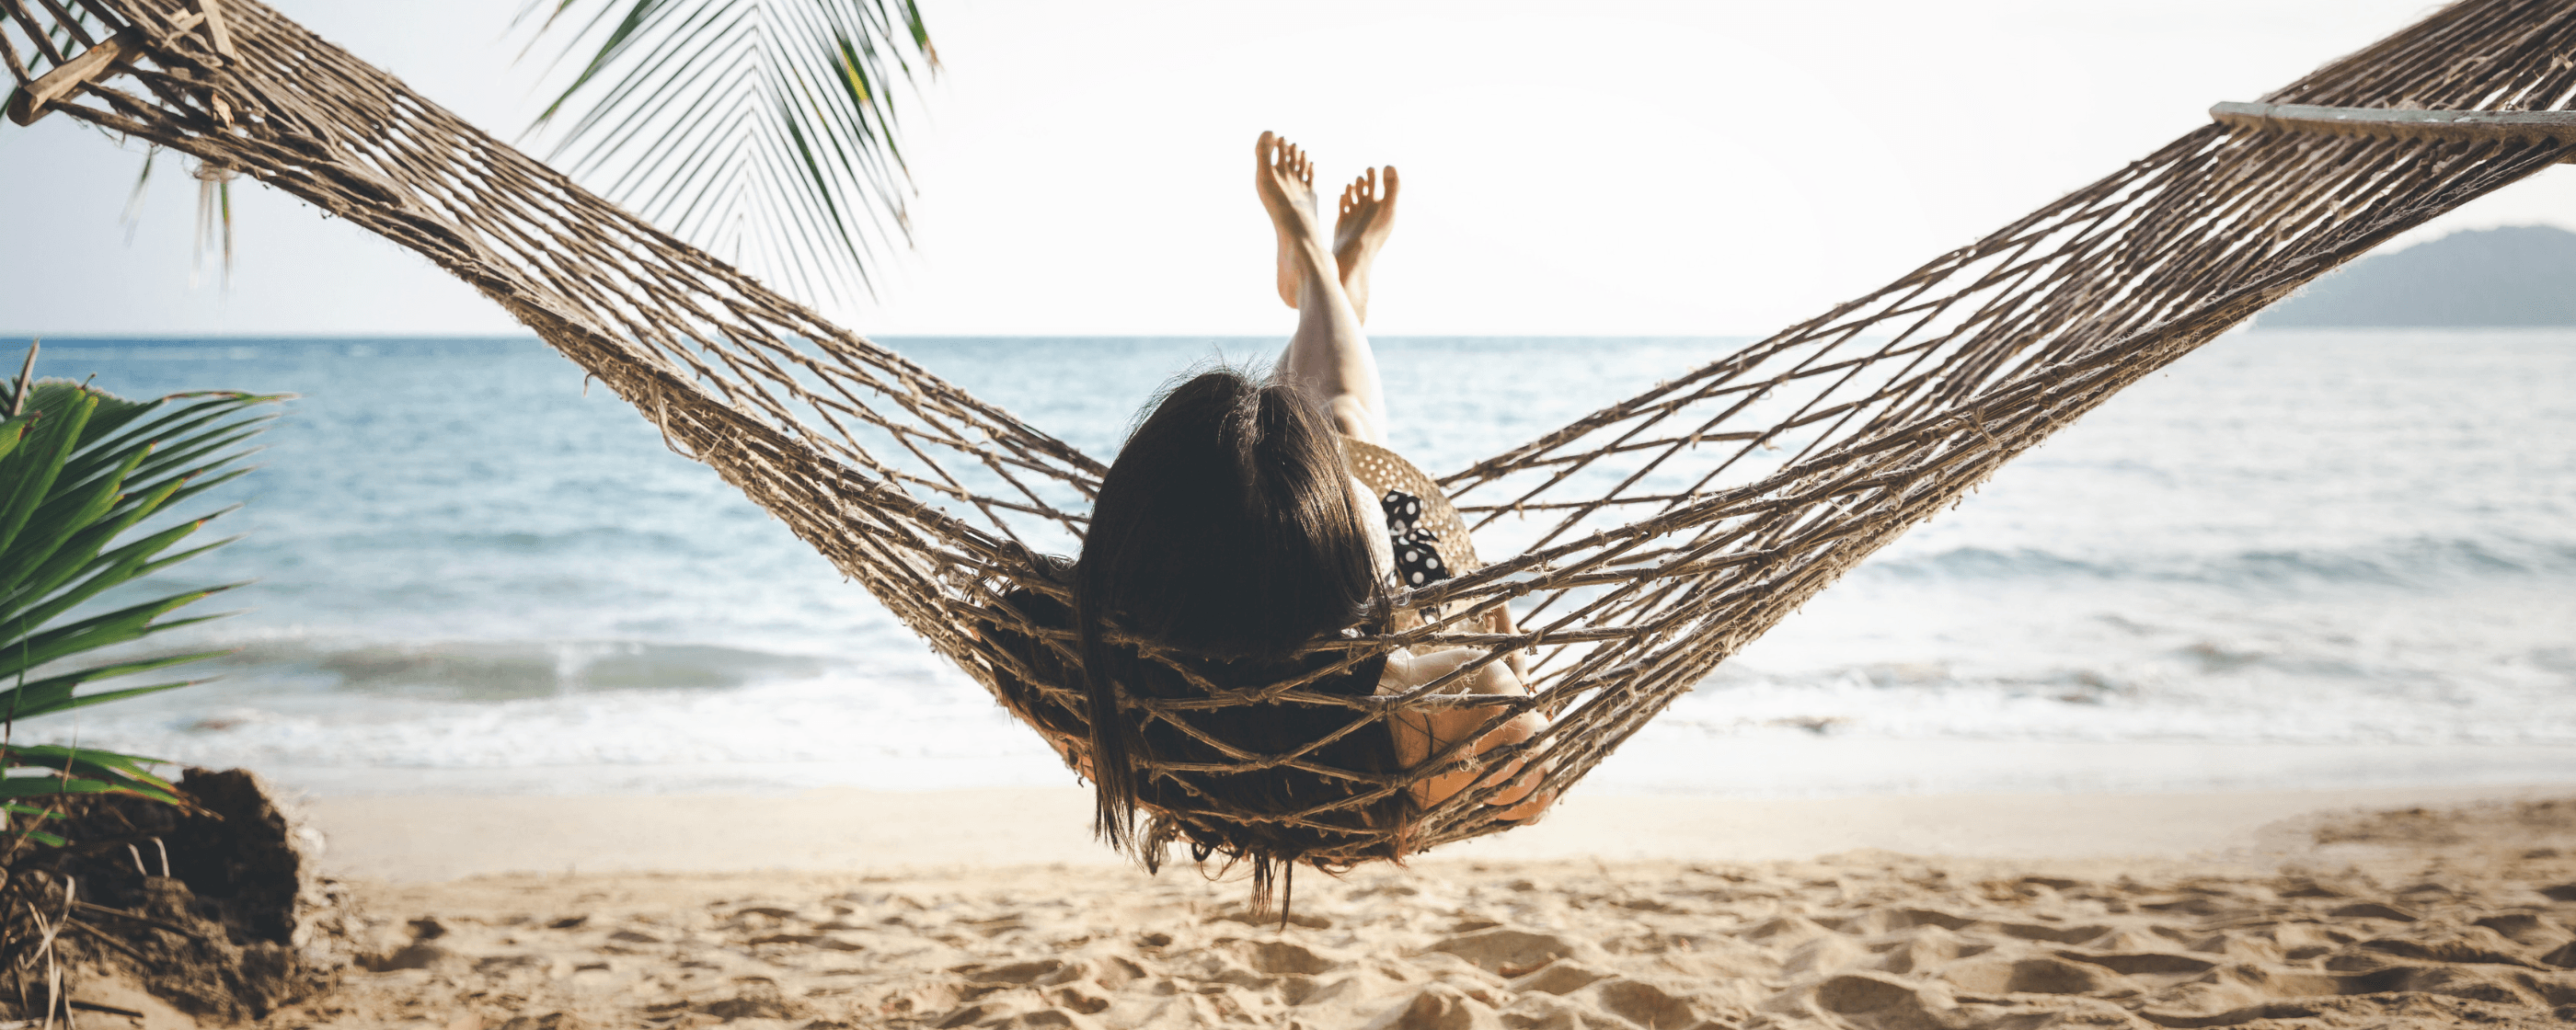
(2428, 907)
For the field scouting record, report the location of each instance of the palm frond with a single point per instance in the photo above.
(79, 469)
(763, 131)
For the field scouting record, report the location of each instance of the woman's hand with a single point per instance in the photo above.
(1498, 619)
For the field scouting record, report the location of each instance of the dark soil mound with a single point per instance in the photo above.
(208, 910)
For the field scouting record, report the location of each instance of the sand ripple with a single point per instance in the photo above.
(2403, 920)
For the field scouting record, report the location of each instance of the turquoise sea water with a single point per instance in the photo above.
(2295, 559)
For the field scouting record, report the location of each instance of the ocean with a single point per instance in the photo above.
(2297, 559)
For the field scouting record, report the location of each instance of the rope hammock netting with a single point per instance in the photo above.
(1638, 547)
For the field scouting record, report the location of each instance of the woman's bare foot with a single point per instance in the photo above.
(1286, 181)
(1329, 353)
(1367, 217)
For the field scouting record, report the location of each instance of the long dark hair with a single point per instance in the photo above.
(1225, 534)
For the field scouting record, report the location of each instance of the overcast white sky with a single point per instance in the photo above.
(1593, 168)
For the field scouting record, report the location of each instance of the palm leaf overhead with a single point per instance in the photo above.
(760, 130)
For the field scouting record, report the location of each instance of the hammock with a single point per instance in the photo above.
(1639, 546)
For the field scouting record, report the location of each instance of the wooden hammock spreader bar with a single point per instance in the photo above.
(28, 103)
(2402, 123)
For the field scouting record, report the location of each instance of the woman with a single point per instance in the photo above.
(1242, 522)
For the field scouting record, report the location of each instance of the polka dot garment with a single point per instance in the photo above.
(1417, 550)
(1441, 534)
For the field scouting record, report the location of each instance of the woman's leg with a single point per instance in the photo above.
(1329, 353)
(1367, 218)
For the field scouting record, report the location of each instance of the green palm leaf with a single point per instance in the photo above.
(760, 130)
(80, 469)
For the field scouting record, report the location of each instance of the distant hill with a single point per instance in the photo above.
(2520, 275)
